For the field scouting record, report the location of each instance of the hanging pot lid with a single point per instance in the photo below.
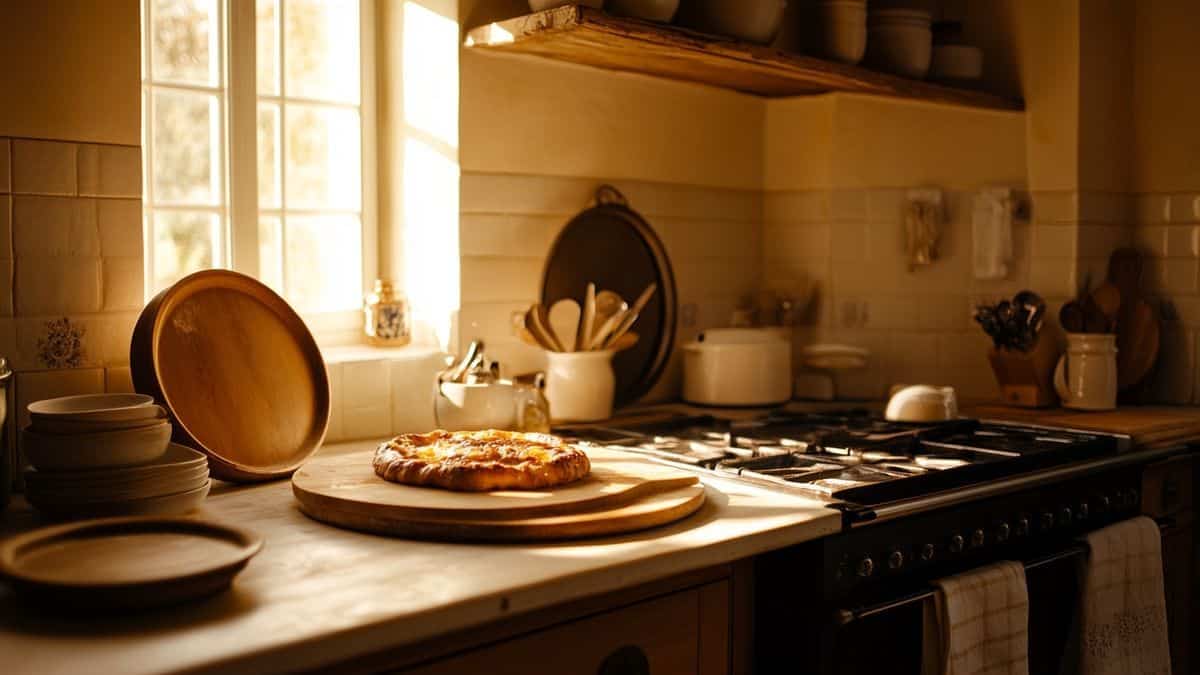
(611, 245)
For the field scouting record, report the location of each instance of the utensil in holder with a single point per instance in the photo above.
(1026, 378)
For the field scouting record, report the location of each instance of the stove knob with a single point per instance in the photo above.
(866, 567)
(1002, 532)
(977, 538)
(1131, 498)
(1046, 521)
(1065, 517)
(1083, 511)
(1103, 504)
(895, 560)
(1023, 526)
(957, 544)
(927, 552)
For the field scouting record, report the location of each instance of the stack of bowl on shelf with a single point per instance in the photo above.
(107, 455)
(900, 41)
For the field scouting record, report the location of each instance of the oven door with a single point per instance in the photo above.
(887, 636)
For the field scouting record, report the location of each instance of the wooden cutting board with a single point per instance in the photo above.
(1149, 426)
(623, 493)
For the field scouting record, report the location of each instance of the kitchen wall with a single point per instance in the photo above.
(538, 137)
(1165, 180)
(70, 195)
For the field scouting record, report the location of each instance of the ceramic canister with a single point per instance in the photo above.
(580, 385)
(1086, 376)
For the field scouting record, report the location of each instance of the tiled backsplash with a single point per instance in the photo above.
(508, 223)
(71, 258)
(1168, 229)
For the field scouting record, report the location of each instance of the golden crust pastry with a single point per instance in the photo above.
(478, 461)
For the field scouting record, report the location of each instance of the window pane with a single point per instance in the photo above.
(184, 242)
(266, 41)
(324, 157)
(185, 39)
(321, 49)
(186, 165)
(324, 262)
(270, 252)
(268, 155)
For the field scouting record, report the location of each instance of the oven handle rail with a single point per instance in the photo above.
(843, 617)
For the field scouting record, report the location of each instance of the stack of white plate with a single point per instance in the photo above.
(900, 41)
(109, 454)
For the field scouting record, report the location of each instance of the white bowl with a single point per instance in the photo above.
(755, 21)
(922, 403)
(903, 49)
(165, 505)
(101, 491)
(956, 62)
(178, 458)
(59, 424)
(126, 447)
(96, 407)
(843, 31)
(539, 5)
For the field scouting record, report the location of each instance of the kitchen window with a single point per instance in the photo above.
(259, 129)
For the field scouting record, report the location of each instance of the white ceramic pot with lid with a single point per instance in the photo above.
(738, 367)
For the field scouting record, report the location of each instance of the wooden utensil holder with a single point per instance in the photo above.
(1026, 379)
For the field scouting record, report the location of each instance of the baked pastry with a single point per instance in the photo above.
(478, 461)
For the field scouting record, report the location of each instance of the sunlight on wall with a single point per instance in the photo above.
(431, 172)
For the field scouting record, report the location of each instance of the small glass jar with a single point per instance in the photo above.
(386, 320)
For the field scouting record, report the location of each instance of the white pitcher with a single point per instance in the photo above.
(580, 385)
(1086, 376)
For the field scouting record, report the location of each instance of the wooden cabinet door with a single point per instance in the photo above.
(684, 633)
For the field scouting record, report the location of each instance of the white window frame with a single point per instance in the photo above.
(238, 248)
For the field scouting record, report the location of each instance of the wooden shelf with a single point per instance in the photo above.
(589, 36)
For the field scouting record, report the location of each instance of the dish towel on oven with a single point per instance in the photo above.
(1123, 614)
(978, 623)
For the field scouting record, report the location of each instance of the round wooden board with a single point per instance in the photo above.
(650, 511)
(348, 483)
(238, 370)
(124, 563)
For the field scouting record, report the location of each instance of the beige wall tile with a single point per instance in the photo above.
(848, 206)
(5, 166)
(796, 207)
(1184, 208)
(1178, 275)
(110, 171)
(36, 386)
(848, 242)
(510, 235)
(1152, 209)
(123, 281)
(1055, 207)
(1181, 240)
(55, 226)
(365, 384)
(885, 205)
(893, 312)
(43, 167)
(108, 337)
(1186, 309)
(1153, 238)
(66, 285)
(373, 421)
(8, 340)
(118, 380)
(412, 392)
(120, 225)
(336, 430)
(1099, 241)
(6, 247)
(690, 239)
(499, 279)
(1054, 241)
(489, 320)
(30, 332)
(6, 287)
(1173, 375)
(1053, 277)
(1110, 208)
(943, 313)
(797, 241)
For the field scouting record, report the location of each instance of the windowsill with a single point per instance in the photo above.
(364, 352)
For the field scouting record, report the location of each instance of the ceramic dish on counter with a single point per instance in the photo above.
(123, 447)
(96, 408)
(173, 504)
(126, 563)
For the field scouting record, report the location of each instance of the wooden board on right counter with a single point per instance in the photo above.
(1149, 426)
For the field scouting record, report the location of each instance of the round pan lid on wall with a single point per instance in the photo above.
(611, 245)
(239, 372)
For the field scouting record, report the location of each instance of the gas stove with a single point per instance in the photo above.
(855, 460)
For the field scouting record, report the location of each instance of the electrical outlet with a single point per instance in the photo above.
(687, 315)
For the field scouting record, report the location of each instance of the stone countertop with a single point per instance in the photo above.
(317, 595)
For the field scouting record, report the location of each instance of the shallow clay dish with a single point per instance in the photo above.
(125, 563)
(237, 370)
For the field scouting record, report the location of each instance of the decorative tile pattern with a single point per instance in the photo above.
(62, 344)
